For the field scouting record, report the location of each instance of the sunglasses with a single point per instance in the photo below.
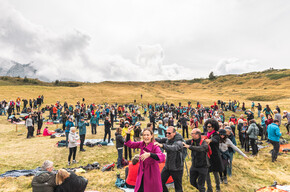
(168, 133)
(209, 126)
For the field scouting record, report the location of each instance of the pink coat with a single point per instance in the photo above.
(46, 132)
(149, 169)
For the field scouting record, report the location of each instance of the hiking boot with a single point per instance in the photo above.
(82, 150)
(74, 162)
(225, 180)
(221, 180)
(68, 163)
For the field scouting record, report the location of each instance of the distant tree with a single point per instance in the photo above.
(56, 82)
(211, 76)
(25, 80)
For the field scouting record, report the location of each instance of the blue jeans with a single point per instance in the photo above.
(259, 112)
(229, 169)
(66, 138)
(120, 157)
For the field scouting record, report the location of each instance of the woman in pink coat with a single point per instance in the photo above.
(148, 178)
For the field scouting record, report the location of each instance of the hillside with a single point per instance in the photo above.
(268, 87)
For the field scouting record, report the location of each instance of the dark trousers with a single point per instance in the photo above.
(112, 121)
(265, 134)
(94, 129)
(177, 177)
(18, 109)
(128, 150)
(66, 138)
(120, 157)
(247, 144)
(276, 147)
(72, 152)
(287, 127)
(107, 132)
(217, 181)
(184, 128)
(198, 177)
(30, 130)
(82, 138)
(254, 146)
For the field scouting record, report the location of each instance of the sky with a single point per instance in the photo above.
(145, 40)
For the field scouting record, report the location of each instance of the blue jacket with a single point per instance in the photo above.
(68, 125)
(274, 133)
(93, 120)
(161, 131)
(82, 127)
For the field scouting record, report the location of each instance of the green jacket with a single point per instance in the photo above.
(43, 182)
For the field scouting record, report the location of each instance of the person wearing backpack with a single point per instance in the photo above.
(199, 157)
(174, 160)
(253, 132)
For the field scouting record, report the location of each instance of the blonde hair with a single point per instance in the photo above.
(73, 129)
(160, 122)
(231, 123)
(61, 175)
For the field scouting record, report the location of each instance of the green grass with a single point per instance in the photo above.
(278, 76)
(265, 97)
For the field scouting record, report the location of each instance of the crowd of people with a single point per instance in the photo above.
(212, 140)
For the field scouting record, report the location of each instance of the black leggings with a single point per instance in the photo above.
(72, 151)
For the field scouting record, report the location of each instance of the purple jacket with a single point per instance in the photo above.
(148, 168)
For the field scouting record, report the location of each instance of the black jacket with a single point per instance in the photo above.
(73, 183)
(199, 156)
(216, 164)
(107, 125)
(119, 140)
(173, 148)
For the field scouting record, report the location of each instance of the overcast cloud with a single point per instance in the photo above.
(145, 40)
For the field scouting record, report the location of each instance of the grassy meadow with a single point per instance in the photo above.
(16, 152)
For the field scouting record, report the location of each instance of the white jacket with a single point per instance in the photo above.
(73, 138)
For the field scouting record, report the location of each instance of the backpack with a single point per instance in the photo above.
(108, 167)
(61, 143)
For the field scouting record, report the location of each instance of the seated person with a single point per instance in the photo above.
(46, 132)
(70, 182)
(44, 181)
(131, 172)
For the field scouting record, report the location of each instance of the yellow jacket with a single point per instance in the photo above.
(124, 133)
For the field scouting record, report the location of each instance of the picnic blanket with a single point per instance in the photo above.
(95, 141)
(19, 123)
(286, 146)
(18, 173)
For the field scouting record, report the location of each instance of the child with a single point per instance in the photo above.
(107, 125)
(72, 145)
(119, 145)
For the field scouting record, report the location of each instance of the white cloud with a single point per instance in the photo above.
(236, 66)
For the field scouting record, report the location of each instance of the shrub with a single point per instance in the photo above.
(25, 80)
(277, 76)
(265, 97)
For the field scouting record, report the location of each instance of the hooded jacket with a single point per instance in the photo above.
(274, 133)
(119, 141)
(43, 181)
(253, 131)
(73, 138)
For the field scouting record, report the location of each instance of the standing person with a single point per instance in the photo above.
(29, 126)
(184, 124)
(72, 145)
(224, 145)
(148, 178)
(82, 131)
(69, 123)
(112, 115)
(128, 150)
(267, 111)
(259, 107)
(119, 145)
(277, 116)
(199, 159)
(64, 119)
(231, 150)
(18, 105)
(287, 116)
(253, 132)
(274, 135)
(161, 129)
(93, 122)
(215, 160)
(107, 125)
(39, 122)
(174, 163)
(263, 124)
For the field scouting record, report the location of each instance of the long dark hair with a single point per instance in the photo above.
(223, 140)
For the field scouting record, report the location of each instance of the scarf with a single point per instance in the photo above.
(210, 133)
